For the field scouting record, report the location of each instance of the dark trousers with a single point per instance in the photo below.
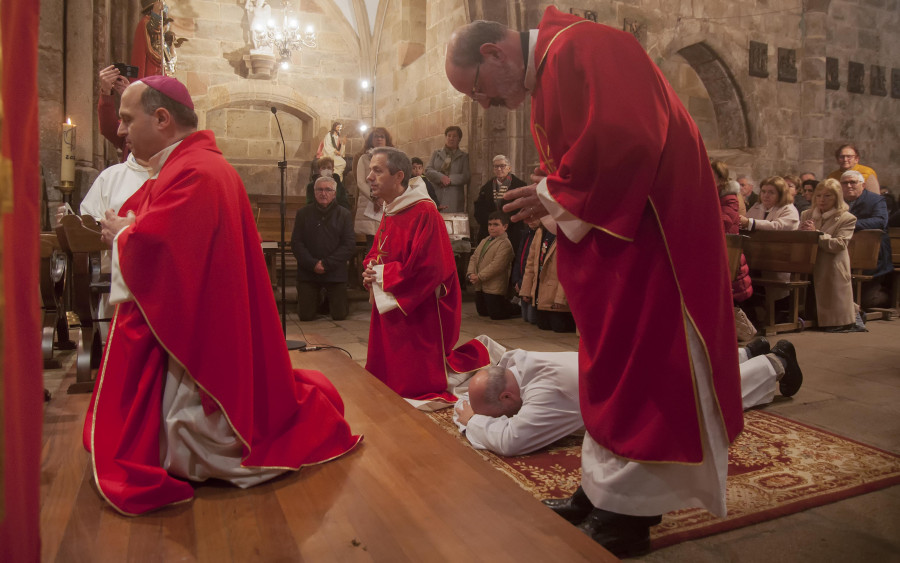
(494, 306)
(557, 321)
(308, 299)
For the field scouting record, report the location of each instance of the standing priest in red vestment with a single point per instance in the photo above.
(641, 258)
(196, 381)
(412, 277)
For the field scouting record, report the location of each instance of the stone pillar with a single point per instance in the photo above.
(80, 77)
(812, 87)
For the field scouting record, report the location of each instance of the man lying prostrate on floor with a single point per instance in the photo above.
(530, 399)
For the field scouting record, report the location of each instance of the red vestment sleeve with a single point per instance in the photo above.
(109, 123)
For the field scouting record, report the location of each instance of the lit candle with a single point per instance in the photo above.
(67, 170)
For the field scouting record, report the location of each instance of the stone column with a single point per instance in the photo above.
(812, 87)
(80, 76)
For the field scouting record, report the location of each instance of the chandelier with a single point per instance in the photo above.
(284, 39)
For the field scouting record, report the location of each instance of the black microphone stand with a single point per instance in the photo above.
(282, 165)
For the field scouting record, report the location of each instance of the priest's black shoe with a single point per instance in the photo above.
(793, 378)
(621, 534)
(574, 509)
(757, 347)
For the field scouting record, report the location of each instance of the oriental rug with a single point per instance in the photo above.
(776, 467)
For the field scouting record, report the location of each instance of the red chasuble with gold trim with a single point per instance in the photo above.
(409, 345)
(193, 262)
(623, 154)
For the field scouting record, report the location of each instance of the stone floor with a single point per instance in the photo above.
(851, 388)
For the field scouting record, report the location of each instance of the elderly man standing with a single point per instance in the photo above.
(847, 157)
(624, 171)
(490, 198)
(871, 212)
(323, 242)
(196, 382)
(448, 169)
(411, 275)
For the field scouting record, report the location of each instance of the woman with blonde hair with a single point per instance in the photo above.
(831, 277)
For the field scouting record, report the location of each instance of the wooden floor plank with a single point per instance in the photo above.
(409, 492)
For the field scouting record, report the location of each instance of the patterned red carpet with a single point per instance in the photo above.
(776, 467)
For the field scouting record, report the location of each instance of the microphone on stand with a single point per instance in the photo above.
(282, 165)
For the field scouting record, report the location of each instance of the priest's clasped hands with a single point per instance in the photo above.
(111, 224)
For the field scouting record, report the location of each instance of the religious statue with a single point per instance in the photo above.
(259, 14)
(153, 50)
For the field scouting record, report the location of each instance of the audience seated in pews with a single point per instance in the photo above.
(323, 242)
(870, 211)
(540, 284)
(773, 212)
(530, 399)
(324, 167)
(748, 196)
(489, 269)
(833, 295)
(794, 187)
(196, 381)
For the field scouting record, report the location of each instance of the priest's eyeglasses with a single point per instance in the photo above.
(476, 95)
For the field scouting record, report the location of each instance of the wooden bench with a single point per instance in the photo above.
(863, 249)
(894, 234)
(409, 492)
(734, 244)
(791, 252)
(80, 237)
(267, 211)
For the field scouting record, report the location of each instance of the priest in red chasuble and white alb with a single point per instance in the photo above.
(641, 257)
(411, 274)
(195, 381)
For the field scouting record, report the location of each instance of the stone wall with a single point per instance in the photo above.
(793, 122)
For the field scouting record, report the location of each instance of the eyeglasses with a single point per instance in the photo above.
(847, 156)
(324, 190)
(500, 166)
(476, 95)
(850, 183)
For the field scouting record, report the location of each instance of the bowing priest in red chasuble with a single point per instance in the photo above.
(641, 257)
(195, 381)
(411, 275)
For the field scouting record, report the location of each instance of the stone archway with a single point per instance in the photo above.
(239, 113)
(728, 103)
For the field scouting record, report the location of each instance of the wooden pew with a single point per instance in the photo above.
(734, 244)
(863, 250)
(80, 236)
(267, 210)
(894, 233)
(409, 492)
(792, 252)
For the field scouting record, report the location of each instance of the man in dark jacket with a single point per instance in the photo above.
(870, 211)
(490, 199)
(323, 242)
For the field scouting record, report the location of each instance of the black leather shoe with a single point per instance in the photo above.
(574, 509)
(621, 534)
(793, 378)
(757, 347)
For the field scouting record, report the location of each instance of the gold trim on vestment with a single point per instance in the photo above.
(558, 33)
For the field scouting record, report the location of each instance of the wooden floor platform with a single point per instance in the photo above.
(409, 492)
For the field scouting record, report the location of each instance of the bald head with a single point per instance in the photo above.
(151, 120)
(485, 61)
(494, 392)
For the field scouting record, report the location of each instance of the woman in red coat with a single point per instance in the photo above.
(729, 201)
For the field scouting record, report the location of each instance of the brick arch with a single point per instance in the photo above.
(728, 103)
